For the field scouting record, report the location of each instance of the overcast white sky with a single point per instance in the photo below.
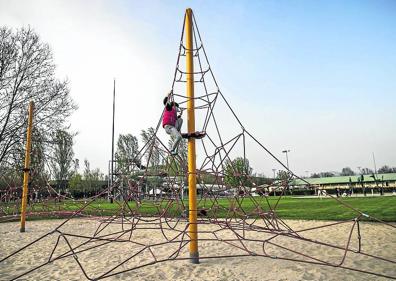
(315, 78)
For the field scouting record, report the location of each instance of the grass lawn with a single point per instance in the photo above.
(383, 208)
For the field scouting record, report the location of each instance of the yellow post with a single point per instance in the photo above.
(26, 169)
(192, 181)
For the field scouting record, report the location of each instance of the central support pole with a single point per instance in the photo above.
(192, 180)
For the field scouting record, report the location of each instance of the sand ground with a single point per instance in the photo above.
(377, 239)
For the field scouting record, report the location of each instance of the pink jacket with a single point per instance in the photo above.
(169, 117)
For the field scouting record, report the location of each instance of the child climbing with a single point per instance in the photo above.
(172, 123)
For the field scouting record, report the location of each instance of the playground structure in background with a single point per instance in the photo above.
(256, 231)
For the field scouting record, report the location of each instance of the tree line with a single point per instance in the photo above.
(347, 171)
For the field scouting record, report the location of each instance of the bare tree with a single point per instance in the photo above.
(347, 172)
(386, 169)
(127, 150)
(367, 171)
(92, 179)
(326, 174)
(237, 172)
(27, 72)
(152, 152)
(39, 175)
(62, 160)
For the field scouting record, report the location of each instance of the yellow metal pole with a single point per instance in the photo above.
(26, 169)
(192, 180)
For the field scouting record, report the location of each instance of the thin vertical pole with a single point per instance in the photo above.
(112, 149)
(287, 160)
(192, 181)
(375, 166)
(375, 171)
(27, 165)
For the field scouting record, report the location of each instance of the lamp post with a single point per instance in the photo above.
(274, 170)
(287, 158)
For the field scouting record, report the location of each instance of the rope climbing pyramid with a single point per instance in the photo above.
(212, 209)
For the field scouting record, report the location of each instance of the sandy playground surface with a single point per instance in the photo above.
(377, 239)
